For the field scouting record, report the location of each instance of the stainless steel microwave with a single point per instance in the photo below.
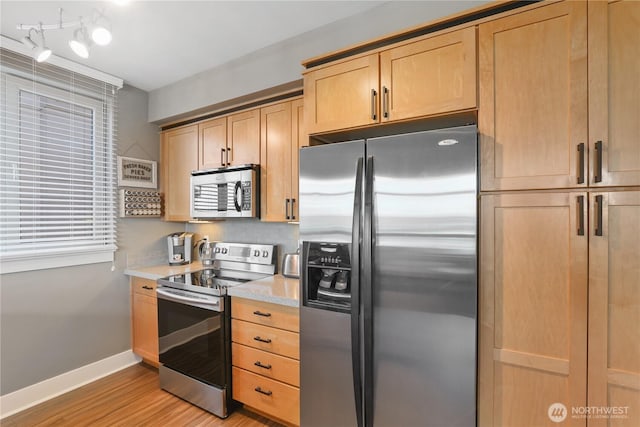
(225, 193)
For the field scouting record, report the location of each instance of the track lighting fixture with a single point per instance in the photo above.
(98, 27)
(40, 52)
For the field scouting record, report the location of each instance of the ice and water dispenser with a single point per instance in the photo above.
(327, 275)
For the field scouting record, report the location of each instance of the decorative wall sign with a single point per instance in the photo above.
(137, 173)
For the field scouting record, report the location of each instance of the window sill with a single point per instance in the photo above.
(17, 265)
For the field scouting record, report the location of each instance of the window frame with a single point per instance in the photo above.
(37, 256)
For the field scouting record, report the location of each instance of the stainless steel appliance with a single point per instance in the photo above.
(389, 280)
(291, 265)
(225, 193)
(194, 324)
(179, 248)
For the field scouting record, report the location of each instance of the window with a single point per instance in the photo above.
(57, 171)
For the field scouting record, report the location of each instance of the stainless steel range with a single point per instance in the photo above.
(194, 324)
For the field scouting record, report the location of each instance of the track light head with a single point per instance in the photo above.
(79, 43)
(101, 35)
(42, 53)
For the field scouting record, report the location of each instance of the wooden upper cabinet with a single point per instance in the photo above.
(300, 139)
(433, 75)
(243, 138)
(533, 98)
(275, 169)
(282, 134)
(212, 143)
(179, 157)
(342, 95)
(614, 92)
(533, 308)
(430, 76)
(614, 305)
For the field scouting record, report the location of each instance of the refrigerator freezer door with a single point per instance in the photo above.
(327, 186)
(327, 195)
(424, 286)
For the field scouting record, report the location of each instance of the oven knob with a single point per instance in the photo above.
(265, 254)
(224, 250)
(256, 253)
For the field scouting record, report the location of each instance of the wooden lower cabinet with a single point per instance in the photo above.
(559, 308)
(533, 308)
(265, 356)
(267, 396)
(614, 305)
(144, 319)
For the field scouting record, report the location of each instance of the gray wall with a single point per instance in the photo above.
(53, 321)
(280, 63)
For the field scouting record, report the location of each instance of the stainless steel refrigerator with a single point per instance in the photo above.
(388, 313)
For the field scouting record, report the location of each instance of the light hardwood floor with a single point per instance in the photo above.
(131, 397)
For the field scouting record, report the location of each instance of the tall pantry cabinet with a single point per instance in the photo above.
(559, 295)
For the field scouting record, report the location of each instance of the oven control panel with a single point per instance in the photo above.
(245, 252)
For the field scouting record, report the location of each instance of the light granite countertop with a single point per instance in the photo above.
(156, 272)
(274, 289)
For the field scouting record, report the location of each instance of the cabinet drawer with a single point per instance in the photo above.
(264, 313)
(265, 338)
(267, 364)
(277, 399)
(143, 286)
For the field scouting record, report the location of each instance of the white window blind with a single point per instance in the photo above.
(58, 169)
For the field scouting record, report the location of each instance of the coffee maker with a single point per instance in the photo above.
(179, 248)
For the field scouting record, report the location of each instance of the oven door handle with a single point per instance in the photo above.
(194, 302)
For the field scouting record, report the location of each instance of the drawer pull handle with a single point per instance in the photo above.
(267, 341)
(266, 392)
(259, 313)
(147, 287)
(260, 365)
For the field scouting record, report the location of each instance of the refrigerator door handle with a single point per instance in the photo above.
(355, 292)
(367, 294)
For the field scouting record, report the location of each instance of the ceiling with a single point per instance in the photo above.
(156, 43)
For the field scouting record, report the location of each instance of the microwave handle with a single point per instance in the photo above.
(236, 202)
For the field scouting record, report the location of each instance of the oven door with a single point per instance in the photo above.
(193, 334)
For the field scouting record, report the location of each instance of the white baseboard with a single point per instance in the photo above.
(48, 389)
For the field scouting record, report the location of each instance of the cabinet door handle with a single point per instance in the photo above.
(581, 163)
(222, 156)
(266, 341)
(374, 96)
(597, 176)
(149, 288)
(286, 208)
(580, 213)
(260, 365)
(293, 215)
(267, 392)
(228, 151)
(385, 102)
(259, 313)
(598, 215)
